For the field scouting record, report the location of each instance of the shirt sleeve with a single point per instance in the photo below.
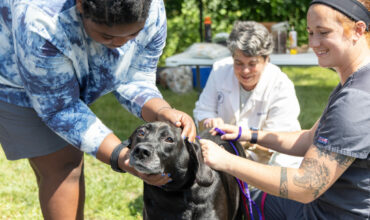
(283, 109)
(344, 127)
(206, 106)
(141, 84)
(49, 80)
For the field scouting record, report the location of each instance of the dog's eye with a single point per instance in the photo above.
(140, 133)
(169, 140)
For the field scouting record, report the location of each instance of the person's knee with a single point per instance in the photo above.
(73, 171)
(64, 165)
(69, 171)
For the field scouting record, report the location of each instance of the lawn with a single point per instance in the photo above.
(111, 195)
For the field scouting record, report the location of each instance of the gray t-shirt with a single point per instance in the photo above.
(345, 129)
(244, 96)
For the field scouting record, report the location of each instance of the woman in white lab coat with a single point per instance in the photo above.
(248, 91)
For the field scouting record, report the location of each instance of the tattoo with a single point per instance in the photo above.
(283, 183)
(343, 161)
(315, 176)
(322, 152)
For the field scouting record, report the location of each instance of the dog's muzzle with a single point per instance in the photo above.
(144, 159)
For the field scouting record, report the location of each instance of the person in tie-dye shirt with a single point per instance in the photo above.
(56, 58)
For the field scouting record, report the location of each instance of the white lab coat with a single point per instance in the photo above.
(272, 106)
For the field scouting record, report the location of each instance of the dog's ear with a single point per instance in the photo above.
(203, 175)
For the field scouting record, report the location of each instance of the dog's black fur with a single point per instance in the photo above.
(196, 191)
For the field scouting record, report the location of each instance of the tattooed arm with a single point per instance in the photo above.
(318, 171)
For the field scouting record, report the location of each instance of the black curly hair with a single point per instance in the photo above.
(112, 12)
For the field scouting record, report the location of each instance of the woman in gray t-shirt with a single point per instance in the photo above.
(333, 181)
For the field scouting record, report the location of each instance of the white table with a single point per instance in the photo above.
(184, 59)
(301, 59)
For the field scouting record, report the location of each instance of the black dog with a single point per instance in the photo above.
(197, 191)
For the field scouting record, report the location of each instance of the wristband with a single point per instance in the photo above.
(254, 137)
(115, 154)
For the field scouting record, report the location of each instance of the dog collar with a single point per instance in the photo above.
(115, 154)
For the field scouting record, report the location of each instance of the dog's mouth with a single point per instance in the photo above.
(150, 167)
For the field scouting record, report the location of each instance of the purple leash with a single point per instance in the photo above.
(246, 191)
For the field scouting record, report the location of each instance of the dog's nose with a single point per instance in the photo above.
(142, 152)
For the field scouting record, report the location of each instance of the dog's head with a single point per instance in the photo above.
(158, 147)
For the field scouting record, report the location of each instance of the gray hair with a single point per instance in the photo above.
(252, 38)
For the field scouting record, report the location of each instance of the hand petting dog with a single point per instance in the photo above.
(179, 119)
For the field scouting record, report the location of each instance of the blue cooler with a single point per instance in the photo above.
(204, 74)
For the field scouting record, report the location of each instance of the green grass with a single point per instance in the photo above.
(111, 195)
(313, 86)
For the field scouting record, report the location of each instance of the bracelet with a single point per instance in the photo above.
(115, 154)
(254, 135)
(239, 134)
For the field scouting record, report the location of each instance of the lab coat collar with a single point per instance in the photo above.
(230, 85)
(233, 87)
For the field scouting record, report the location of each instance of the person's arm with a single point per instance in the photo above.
(294, 143)
(318, 171)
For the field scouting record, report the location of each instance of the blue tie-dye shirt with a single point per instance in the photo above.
(49, 63)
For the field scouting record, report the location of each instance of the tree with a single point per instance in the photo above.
(183, 18)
